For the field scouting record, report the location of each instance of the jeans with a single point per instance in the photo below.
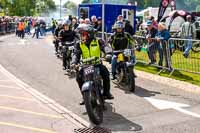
(188, 45)
(114, 63)
(151, 50)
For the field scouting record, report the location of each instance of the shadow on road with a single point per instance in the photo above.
(139, 91)
(113, 121)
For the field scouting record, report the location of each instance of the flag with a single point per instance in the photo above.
(162, 8)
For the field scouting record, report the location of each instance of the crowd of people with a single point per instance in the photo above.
(157, 36)
(30, 26)
(7, 24)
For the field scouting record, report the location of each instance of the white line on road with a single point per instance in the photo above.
(11, 87)
(162, 104)
(6, 81)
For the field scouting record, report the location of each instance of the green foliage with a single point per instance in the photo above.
(27, 7)
(198, 8)
(72, 7)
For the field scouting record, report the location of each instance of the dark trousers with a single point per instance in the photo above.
(56, 43)
(164, 53)
(105, 76)
(152, 48)
(22, 33)
(66, 57)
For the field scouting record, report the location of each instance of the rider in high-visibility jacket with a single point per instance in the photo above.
(87, 48)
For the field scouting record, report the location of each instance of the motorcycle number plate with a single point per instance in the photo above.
(71, 47)
(127, 52)
(89, 70)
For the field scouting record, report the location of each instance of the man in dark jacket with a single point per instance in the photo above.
(66, 35)
(152, 47)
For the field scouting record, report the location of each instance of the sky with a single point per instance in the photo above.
(63, 1)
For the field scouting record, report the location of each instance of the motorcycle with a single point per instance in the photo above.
(59, 51)
(92, 90)
(67, 51)
(124, 71)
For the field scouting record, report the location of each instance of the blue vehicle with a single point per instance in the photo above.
(111, 12)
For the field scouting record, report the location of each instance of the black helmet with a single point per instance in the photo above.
(86, 29)
(67, 22)
(119, 25)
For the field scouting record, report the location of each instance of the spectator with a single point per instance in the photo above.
(54, 24)
(81, 21)
(74, 23)
(87, 21)
(154, 22)
(152, 47)
(94, 22)
(99, 22)
(21, 29)
(162, 37)
(188, 32)
(128, 27)
(120, 18)
(37, 29)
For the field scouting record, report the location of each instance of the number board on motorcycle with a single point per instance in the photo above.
(89, 70)
(71, 47)
(127, 52)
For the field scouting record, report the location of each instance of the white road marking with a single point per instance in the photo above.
(162, 104)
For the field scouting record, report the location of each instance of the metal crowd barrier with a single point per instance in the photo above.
(168, 55)
(181, 62)
(6, 28)
(155, 53)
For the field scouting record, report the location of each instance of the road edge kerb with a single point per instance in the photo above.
(165, 80)
(67, 114)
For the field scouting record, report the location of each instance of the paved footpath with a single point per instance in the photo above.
(24, 110)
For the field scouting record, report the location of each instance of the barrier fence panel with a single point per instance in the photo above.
(153, 52)
(7, 28)
(185, 54)
(3, 28)
(167, 55)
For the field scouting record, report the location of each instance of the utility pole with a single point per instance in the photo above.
(103, 17)
(60, 9)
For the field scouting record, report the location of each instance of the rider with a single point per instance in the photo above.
(120, 40)
(56, 36)
(66, 35)
(89, 47)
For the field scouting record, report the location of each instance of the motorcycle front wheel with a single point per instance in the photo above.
(94, 106)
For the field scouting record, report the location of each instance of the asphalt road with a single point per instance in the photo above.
(34, 62)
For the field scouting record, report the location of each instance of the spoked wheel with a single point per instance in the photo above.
(131, 81)
(196, 47)
(94, 106)
(120, 75)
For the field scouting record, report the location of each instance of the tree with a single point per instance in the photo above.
(27, 7)
(72, 7)
(198, 8)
